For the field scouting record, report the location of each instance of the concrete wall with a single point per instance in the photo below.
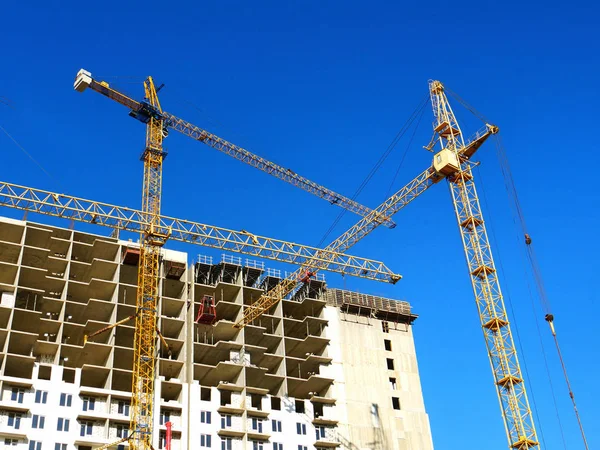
(363, 390)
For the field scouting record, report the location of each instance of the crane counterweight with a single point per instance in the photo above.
(82, 80)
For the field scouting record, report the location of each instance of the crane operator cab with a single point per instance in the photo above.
(445, 162)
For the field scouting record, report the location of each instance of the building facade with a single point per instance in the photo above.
(322, 369)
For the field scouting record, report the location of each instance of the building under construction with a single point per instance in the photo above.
(324, 368)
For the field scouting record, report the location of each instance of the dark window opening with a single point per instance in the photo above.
(205, 394)
(395, 402)
(44, 372)
(390, 363)
(225, 398)
(318, 410)
(388, 345)
(275, 403)
(256, 401)
(68, 375)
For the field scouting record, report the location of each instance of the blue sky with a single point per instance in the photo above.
(322, 88)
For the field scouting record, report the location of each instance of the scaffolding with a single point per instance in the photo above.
(396, 311)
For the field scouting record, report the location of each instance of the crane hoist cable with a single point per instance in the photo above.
(6, 101)
(35, 161)
(546, 364)
(401, 163)
(467, 106)
(549, 317)
(418, 112)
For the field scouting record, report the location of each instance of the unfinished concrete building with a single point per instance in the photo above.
(323, 369)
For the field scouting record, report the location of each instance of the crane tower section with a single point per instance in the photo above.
(152, 239)
(453, 162)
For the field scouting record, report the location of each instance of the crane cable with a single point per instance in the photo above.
(401, 163)
(416, 114)
(549, 317)
(30, 156)
(466, 105)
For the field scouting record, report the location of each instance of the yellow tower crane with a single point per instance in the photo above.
(452, 161)
(152, 238)
(508, 378)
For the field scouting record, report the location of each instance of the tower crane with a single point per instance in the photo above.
(145, 110)
(451, 161)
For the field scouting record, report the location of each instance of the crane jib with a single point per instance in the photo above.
(150, 109)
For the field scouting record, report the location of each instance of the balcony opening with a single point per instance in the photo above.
(256, 401)
(318, 407)
(225, 398)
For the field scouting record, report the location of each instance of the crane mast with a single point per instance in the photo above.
(508, 379)
(151, 241)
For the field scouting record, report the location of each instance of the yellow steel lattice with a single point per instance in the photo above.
(142, 405)
(128, 219)
(502, 353)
